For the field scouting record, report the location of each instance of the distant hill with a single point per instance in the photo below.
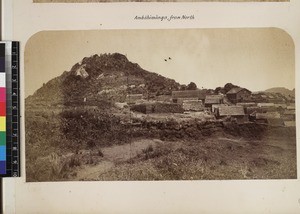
(105, 76)
(284, 91)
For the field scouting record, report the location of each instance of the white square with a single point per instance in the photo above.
(2, 79)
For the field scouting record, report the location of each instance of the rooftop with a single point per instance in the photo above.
(268, 115)
(189, 93)
(231, 111)
(213, 99)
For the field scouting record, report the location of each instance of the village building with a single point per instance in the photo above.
(213, 99)
(235, 113)
(215, 107)
(281, 105)
(182, 100)
(261, 105)
(236, 95)
(275, 122)
(157, 107)
(270, 118)
(253, 110)
(193, 105)
(247, 105)
(267, 107)
(268, 115)
(180, 96)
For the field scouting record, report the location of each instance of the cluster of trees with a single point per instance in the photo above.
(190, 86)
(225, 89)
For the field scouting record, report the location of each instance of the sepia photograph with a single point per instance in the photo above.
(180, 104)
(93, 1)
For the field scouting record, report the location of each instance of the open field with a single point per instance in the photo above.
(181, 148)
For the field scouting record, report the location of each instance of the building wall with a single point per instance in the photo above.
(239, 119)
(148, 108)
(242, 119)
(182, 100)
(200, 94)
(232, 97)
(193, 105)
(241, 96)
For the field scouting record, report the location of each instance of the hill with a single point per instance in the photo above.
(284, 91)
(107, 77)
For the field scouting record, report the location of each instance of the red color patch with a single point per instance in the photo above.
(2, 109)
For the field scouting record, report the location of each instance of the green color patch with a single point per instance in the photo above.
(2, 138)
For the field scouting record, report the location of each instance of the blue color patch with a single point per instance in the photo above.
(2, 167)
(2, 153)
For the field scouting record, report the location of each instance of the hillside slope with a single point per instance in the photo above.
(105, 77)
(284, 91)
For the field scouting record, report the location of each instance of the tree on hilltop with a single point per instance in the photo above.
(191, 86)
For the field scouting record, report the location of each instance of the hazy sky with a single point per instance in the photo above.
(256, 59)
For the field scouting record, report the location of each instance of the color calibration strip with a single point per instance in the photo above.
(9, 110)
(2, 111)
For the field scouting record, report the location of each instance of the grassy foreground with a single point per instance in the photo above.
(88, 144)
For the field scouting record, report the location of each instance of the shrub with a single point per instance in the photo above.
(93, 127)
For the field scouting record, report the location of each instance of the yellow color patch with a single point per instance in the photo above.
(2, 123)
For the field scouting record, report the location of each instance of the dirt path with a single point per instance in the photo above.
(127, 151)
(113, 155)
(91, 172)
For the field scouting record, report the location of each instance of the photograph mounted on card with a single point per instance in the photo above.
(181, 104)
(93, 1)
